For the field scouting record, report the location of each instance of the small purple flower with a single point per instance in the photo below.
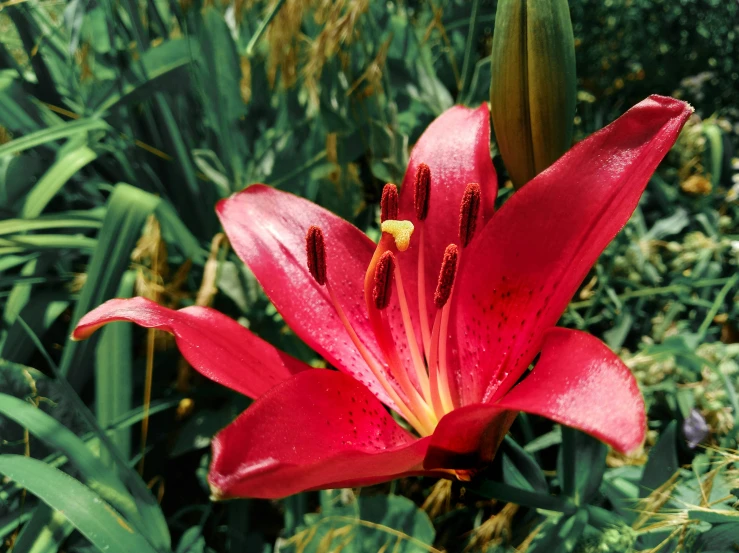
(695, 428)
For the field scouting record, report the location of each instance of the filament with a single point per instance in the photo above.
(422, 307)
(418, 362)
(377, 371)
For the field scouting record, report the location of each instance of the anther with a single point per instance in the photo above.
(316, 251)
(446, 276)
(389, 203)
(468, 213)
(421, 191)
(383, 280)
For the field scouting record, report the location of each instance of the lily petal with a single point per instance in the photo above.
(217, 347)
(456, 147)
(267, 229)
(320, 429)
(579, 382)
(532, 256)
(468, 437)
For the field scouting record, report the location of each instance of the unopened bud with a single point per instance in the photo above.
(533, 89)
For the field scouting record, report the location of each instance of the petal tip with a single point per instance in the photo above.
(680, 107)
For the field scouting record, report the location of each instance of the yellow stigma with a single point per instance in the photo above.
(401, 231)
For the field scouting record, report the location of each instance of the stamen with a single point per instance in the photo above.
(418, 363)
(421, 191)
(443, 382)
(423, 311)
(401, 231)
(438, 378)
(423, 427)
(383, 280)
(468, 213)
(423, 417)
(434, 367)
(389, 203)
(316, 250)
(446, 276)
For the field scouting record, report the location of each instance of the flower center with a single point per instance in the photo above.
(413, 372)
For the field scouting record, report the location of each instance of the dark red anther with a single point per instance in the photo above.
(446, 276)
(316, 251)
(383, 280)
(422, 191)
(389, 203)
(468, 213)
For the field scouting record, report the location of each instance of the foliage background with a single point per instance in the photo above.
(121, 124)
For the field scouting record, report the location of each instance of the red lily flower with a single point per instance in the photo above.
(438, 322)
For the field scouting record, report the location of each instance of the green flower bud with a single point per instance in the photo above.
(533, 89)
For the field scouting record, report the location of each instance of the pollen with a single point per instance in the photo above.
(383, 280)
(421, 191)
(446, 276)
(468, 213)
(315, 250)
(400, 230)
(389, 203)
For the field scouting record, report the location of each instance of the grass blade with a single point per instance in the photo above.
(114, 374)
(50, 134)
(55, 178)
(86, 511)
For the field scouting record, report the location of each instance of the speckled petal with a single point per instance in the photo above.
(216, 346)
(320, 429)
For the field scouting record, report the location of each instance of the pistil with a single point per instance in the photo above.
(379, 272)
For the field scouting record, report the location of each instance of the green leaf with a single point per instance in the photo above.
(719, 539)
(44, 533)
(714, 516)
(160, 69)
(534, 500)
(47, 429)
(520, 469)
(51, 134)
(560, 534)
(715, 144)
(68, 163)
(363, 524)
(11, 226)
(582, 463)
(662, 463)
(114, 374)
(86, 511)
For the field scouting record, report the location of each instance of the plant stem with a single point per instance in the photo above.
(263, 27)
(468, 47)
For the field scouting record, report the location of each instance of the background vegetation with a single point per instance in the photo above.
(122, 123)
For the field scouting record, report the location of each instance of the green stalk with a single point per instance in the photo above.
(263, 27)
